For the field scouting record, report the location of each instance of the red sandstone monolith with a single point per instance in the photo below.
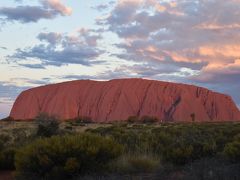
(115, 100)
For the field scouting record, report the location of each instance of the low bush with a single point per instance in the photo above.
(4, 139)
(7, 159)
(47, 125)
(83, 119)
(179, 155)
(143, 119)
(178, 144)
(132, 119)
(148, 119)
(136, 163)
(97, 151)
(232, 150)
(61, 157)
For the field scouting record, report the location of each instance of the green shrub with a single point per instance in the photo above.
(7, 159)
(136, 163)
(65, 156)
(72, 166)
(179, 155)
(144, 163)
(47, 125)
(174, 143)
(232, 150)
(4, 139)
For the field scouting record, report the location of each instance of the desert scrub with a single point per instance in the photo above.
(136, 163)
(232, 150)
(47, 125)
(61, 157)
(7, 159)
(178, 144)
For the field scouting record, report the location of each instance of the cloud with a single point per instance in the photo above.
(106, 75)
(51, 37)
(48, 9)
(148, 70)
(4, 48)
(218, 73)
(192, 34)
(9, 91)
(103, 6)
(30, 82)
(32, 66)
(5, 109)
(57, 6)
(58, 49)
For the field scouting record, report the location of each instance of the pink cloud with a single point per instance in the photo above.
(57, 5)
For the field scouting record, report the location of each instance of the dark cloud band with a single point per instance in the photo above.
(48, 9)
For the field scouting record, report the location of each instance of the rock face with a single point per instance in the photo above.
(112, 100)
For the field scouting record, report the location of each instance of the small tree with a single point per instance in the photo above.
(47, 125)
(193, 116)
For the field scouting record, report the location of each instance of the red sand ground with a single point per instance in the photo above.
(6, 175)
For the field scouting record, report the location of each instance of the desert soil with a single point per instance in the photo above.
(6, 175)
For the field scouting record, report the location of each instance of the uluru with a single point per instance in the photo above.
(114, 100)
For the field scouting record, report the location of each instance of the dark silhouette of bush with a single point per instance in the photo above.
(7, 159)
(148, 119)
(133, 119)
(214, 168)
(143, 119)
(72, 166)
(62, 157)
(3, 140)
(232, 150)
(83, 119)
(47, 125)
(7, 119)
(6, 153)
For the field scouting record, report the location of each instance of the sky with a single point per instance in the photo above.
(186, 41)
